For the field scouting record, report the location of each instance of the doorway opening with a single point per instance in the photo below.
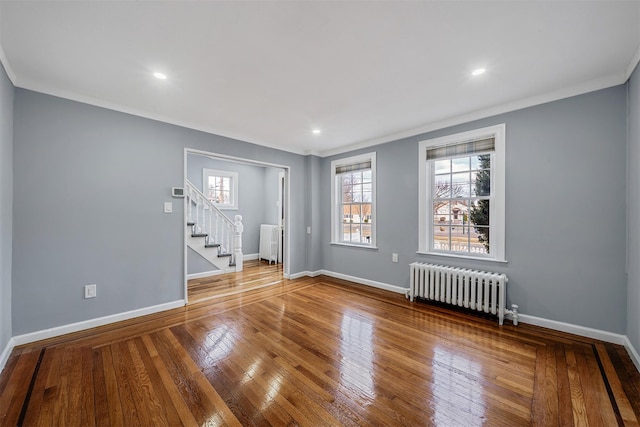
(254, 192)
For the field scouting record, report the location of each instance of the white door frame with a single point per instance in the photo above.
(286, 197)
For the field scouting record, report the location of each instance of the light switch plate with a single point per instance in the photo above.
(168, 207)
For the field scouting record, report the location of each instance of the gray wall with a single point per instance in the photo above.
(6, 205)
(633, 212)
(258, 192)
(316, 212)
(270, 184)
(89, 183)
(565, 210)
(196, 263)
(89, 187)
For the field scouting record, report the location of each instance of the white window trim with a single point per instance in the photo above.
(497, 201)
(234, 186)
(336, 218)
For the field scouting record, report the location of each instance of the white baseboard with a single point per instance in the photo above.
(249, 257)
(633, 353)
(583, 331)
(204, 274)
(302, 274)
(92, 323)
(372, 283)
(4, 356)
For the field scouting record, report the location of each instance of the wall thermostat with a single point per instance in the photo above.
(177, 191)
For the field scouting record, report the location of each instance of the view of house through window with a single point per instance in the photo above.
(356, 206)
(221, 188)
(353, 194)
(461, 193)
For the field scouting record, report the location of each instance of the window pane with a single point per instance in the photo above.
(441, 212)
(479, 212)
(441, 238)
(357, 193)
(346, 232)
(355, 233)
(346, 213)
(482, 183)
(224, 197)
(460, 177)
(442, 166)
(366, 176)
(365, 236)
(460, 164)
(480, 240)
(365, 210)
(442, 187)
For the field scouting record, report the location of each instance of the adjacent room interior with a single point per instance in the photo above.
(320, 213)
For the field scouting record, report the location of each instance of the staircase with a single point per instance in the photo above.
(211, 233)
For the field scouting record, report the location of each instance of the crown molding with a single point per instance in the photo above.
(632, 65)
(590, 86)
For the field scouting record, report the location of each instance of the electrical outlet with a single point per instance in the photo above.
(394, 257)
(90, 291)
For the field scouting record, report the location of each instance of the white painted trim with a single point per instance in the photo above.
(496, 201)
(580, 89)
(4, 357)
(101, 103)
(633, 353)
(302, 274)
(93, 323)
(250, 257)
(241, 160)
(287, 213)
(570, 328)
(234, 196)
(7, 67)
(387, 287)
(205, 274)
(336, 198)
(632, 65)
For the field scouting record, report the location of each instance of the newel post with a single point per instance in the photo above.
(237, 242)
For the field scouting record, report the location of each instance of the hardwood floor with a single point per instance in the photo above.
(318, 351)
(255, 274)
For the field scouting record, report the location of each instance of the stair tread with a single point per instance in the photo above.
(191, 223)
(222, 255)
(232, 264)
(199, 235)
(212, 245)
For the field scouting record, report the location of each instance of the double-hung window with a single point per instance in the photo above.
(221, 188)
(462, 194)
(353, 193)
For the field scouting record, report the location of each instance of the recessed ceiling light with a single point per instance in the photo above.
(160, 76)
(316, 131)
(478, 71)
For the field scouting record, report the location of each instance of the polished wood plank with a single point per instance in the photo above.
(318, 351)
(255, 274)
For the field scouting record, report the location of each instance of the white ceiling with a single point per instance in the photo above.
(363, 72)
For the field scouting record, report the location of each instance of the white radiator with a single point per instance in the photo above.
(472, 289)
(269, 237)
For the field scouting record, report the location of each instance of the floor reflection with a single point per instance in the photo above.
(456, 388)
(219, 342)
(357, 352)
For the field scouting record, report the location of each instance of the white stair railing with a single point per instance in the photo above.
(221, 231)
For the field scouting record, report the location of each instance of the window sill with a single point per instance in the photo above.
(475, 258)
(352, 245)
